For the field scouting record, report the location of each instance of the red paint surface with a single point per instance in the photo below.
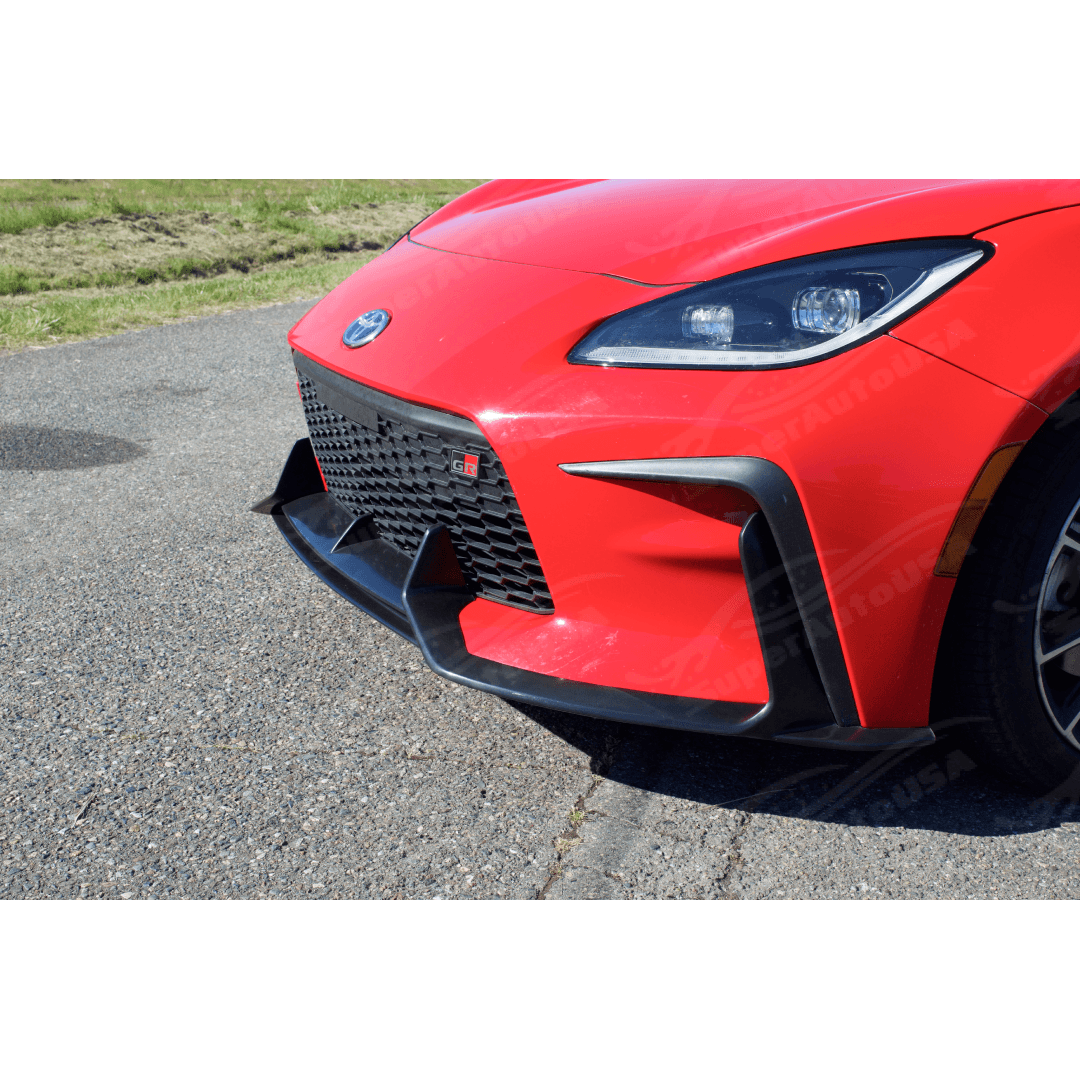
(882, 444)
(666, 231)
(1016, 322)
(652, 598)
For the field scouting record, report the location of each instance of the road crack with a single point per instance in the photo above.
(565, 842)
(734, 861)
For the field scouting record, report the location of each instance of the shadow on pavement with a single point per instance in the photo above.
(40, 449)
(940, 787)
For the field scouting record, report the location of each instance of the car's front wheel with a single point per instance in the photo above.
(1010, 654)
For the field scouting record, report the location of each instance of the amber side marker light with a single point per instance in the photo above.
(971, 513)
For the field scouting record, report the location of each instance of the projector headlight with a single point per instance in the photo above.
(788, 313)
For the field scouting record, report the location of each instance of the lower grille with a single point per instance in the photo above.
(391, 459)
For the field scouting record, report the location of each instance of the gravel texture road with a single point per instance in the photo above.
(185, 711)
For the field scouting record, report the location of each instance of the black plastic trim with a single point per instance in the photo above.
(360, 403)
(301, 476)
(771, 488)
(796, 695)
(368, 573)
(360, 529)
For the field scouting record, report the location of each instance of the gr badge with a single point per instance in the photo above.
(465, 464)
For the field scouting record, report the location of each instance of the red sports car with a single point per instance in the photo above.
(791, 460)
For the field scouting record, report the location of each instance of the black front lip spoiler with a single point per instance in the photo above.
(421, 599)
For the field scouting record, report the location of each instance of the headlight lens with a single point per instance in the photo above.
(788, 313)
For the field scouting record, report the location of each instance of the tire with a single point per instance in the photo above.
(1019, 592)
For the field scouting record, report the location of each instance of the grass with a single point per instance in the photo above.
(26, 204)
(81, 259)
(76, 316)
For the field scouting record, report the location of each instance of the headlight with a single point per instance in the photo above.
(788, 313)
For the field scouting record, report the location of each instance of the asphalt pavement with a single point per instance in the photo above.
(185, 711)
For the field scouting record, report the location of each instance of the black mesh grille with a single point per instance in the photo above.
(401, 476)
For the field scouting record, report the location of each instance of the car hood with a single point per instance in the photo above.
(665, 232)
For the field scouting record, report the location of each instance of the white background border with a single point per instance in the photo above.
(574, 89)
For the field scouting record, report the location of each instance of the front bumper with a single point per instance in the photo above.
(810, 701)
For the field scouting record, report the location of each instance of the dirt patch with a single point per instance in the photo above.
(138, 249)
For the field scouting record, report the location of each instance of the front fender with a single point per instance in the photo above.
(1015, 321)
